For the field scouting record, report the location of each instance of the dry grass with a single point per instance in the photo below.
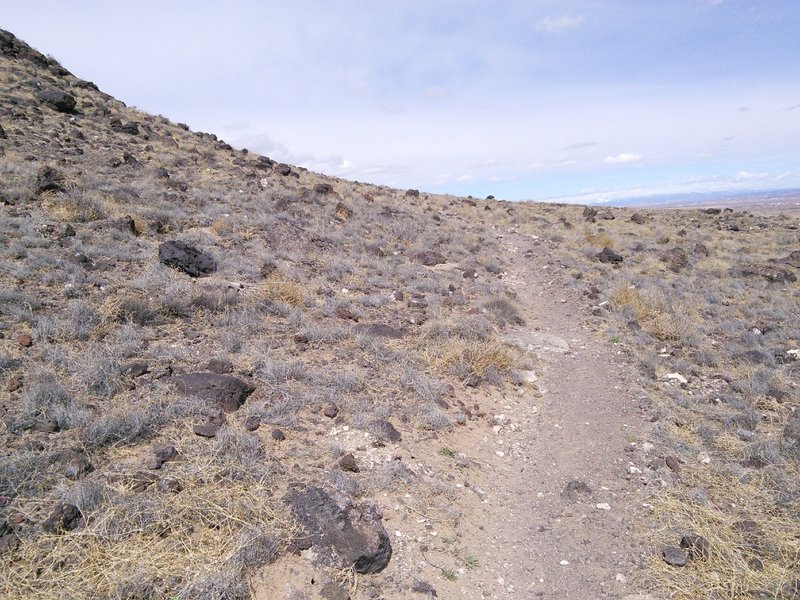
(740, 565)
(159, 544)
(471, 358)
(277, 289)
(598, 239)
(654, 313)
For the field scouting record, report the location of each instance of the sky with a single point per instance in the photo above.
(572, 101)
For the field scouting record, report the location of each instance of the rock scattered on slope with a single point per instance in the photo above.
(58, 100)
(675, 556)
(607, 255)
(186, 258)
(342, 537)
(227, 392)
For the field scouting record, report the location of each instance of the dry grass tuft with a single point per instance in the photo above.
(598, 239)
(154, 544)
(654, 313)
(471, 358)
(763, 563)
(277, 289)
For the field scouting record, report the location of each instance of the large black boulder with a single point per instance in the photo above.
(61, 101)
(186, 258)
(228, 392)
(343, 537)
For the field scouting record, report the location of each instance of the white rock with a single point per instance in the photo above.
(676, 377)
(604, 506)
(564, 562)
(703, 458)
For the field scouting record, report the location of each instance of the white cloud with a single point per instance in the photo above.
(560, 23)
(624, 158)
(749, 176)
(465, 178)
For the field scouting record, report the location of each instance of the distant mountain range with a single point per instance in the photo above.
(774, 199)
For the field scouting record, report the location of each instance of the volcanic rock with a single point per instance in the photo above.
(229, 393)
(186, 258)
(60, 101)
(343, 537)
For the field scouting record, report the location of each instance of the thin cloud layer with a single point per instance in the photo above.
(560, 23)
(624, 158)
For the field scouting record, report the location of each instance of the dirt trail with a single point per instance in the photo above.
(537, 541)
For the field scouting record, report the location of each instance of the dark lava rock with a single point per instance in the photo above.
(331, 411)
(470, 274)
(129, 128)
(697, 546)
(589, 213)
(3, 135)
(345, 312)
(229, 393)
(701, 249)
(220, 366)
(606, 215)
(424, 588)
(638, 218)
(283, 169)
(675, 556)
(49, 179)
(207, 430)
(65, 517)
(675, 259)
(61, 101)
(323, 188)
(712, 211)
(412, 193)
(381, 330)
(348, 463)
(135, 369)
(186, 258)
(576, 488)
(793, 260)
(385, 431)
(607, 255)
(169, 484)
(251, 423)
(673, 464)
(278, 435)
(343, 537)
(429, 258)
(771, 273)
(163, 453)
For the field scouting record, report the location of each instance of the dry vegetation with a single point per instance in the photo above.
(321, 297)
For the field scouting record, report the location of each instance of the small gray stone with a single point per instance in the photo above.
(675, 556)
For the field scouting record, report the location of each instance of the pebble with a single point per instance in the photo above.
(675, 556)
(603, 506)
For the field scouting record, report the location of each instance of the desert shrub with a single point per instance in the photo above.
(503, 310)
(75, 206)
(99, 371)
(45, 398)
(658, 316)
